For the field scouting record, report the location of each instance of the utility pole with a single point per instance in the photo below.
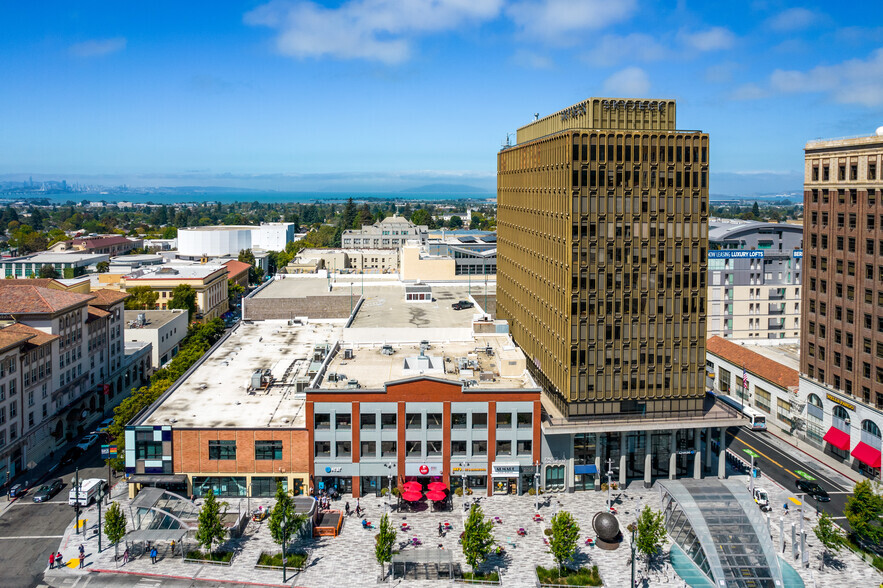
(634, 527)
(284, 537)
(77, 501)
(99, 516)
(107, 494)
(751, 478)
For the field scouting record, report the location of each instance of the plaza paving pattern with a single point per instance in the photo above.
(348, 560)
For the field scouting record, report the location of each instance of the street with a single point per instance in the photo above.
(30, 531)
(99, 580)
(782, 467)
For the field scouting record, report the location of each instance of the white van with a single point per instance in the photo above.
(88, 492)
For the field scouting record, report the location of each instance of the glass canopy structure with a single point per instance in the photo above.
(716, 524)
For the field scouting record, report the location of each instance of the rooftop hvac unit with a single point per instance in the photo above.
(347, 353)
(387, 350)
(353, 384)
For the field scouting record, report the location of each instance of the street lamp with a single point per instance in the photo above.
(536, 486)
(633, 527)
(389, 466)
(100, 490)
(609, 482)
(463, 466)
(284, 539)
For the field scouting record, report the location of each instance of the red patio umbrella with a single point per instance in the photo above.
(412, 496)
(412, 487)
(438, 486)
(435, 495)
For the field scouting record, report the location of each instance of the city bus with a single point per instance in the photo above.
(756, 418)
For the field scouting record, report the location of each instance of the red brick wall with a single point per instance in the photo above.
(190, 451)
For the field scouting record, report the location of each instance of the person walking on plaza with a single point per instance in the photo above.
(52, 560)
(153, 554)
(59, 561)
(82, 555)
(441, 531)
(126, 556)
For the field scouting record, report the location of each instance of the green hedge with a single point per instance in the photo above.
(294, 560)
(568, 577)
(218, 556)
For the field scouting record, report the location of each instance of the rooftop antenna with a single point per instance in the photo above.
(536, 116)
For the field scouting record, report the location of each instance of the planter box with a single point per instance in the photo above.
(209, 561)
(292, 569)
(498, 582)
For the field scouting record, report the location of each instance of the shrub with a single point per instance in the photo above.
(295, 559)
(488, 577)
(458, 492)
(580, 577)
(547, 532)
(223, 556)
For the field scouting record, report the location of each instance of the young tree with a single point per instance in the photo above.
(115, 526)
(565, 534)
(184, 296)
(284, 522)
(829, 536)
(386, 538)
(234, 291)
(210, 528)
(477, 537)
(651, 533)
(864, 511)
(102, 267)
(49, 271)
(141, 298)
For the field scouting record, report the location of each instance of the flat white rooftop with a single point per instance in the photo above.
(503, 369)
(171, 271)
(217, 394)
(787, 355)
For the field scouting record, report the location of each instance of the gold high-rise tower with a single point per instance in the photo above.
(602, 227)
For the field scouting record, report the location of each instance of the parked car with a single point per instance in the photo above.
(461, 305)
(88, 441)
(813, 490)
(48, 490)
(103, 425)
(72, 455)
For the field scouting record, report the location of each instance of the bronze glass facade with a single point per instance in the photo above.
(602, 228)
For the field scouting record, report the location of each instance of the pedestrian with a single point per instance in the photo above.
(347, 508)
(441, 531)
(153, 554)
(82, 555)
(59, 561)
(126, 556)
(52, 560)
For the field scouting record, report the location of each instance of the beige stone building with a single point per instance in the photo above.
(209, 281)
(368, 261)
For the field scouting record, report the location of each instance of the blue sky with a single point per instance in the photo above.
(385, 94)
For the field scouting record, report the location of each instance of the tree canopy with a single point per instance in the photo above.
(478, 537)
(184, 296)
(210, 528)
(141, 298)
(565, 534)
(864, 511)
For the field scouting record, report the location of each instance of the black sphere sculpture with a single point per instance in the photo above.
(606, 526)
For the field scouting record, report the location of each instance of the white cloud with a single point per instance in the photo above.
(749, 92)
(855, 81)
(97, 47)
(614, 49)
(713, 39)
(532, 60)
(377, 30)
(721, 72)
(793, 19)
(553, 20)
(628, 82)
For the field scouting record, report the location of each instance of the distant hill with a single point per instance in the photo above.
(445, 188)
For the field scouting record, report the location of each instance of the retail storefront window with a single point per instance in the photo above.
(554, 478)
(266, 487)
(220, 485)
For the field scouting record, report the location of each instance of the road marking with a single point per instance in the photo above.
(817, 466)
(34, 537)
(775, 462)
(794, 500)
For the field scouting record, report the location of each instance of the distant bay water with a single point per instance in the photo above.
(229, 196)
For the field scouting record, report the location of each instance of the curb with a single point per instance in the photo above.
(190, 578)
(850, 478)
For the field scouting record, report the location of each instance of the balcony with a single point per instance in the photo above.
(776, 309)
(776, 294)
(776, 324)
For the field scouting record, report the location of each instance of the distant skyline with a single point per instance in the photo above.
(373, 95)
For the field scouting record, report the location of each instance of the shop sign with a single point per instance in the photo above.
(459, 470)
(686, 451)
(506, 469)
(842, 403)
(333, 470)
(424, 469)
(554, 460)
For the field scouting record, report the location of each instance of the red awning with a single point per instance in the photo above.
(837, 438)
(867, 454)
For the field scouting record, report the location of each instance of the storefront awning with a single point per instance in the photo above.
(867, 454)
(837, 438)
(585, 469)
(157, 479)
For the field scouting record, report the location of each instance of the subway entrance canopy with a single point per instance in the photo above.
(717, 525)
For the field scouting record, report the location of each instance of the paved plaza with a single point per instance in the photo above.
(348, 560)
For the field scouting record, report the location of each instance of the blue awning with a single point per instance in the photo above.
(585, 469)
